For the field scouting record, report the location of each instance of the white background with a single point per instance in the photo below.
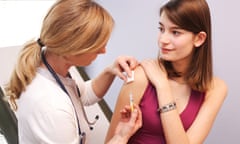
(135, 34)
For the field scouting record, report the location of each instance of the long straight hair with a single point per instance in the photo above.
(193, 16)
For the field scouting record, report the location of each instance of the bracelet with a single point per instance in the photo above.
(167, 107)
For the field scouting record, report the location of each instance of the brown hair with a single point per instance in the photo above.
(193, 16)
(70, 27)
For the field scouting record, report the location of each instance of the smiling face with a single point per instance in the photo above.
(185, 41)
(175, 44)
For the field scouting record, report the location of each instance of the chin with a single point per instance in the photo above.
(87, 63)
(83, 64)
(163, 57)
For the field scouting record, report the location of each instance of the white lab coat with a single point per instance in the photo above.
(45, 113)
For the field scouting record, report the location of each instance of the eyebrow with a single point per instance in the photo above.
(174, 27)
(160, 23)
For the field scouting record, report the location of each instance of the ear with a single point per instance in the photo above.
(200, 39)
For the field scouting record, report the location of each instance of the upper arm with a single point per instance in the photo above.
(204, 121)
(137, 88)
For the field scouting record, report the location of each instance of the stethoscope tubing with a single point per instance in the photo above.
(55, 76)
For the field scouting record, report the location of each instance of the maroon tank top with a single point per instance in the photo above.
(151, 132)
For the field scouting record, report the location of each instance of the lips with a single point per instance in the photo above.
(165, 50)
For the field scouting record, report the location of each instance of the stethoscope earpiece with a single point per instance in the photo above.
(92, 123)
(97, 117)
(86, 118)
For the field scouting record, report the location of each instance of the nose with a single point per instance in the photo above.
(163, 38)
(102, 50)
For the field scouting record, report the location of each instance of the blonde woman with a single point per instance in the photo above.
(47, 101)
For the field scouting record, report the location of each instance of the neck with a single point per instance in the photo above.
(58, 63)
(179, 80)
(182, 65)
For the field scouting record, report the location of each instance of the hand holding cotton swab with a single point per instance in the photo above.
(130, 79)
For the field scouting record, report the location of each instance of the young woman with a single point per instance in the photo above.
(177, 93)
(48, 102)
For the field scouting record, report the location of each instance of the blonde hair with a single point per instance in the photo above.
(70, 27)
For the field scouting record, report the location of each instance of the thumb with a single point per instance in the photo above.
(134, 116)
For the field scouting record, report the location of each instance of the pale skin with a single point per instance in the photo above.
(176, 46)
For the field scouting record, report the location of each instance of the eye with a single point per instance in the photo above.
(161, 29)
(176, 33)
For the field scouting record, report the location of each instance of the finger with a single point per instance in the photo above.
(134, 116)
(125, 112)
(138, 120)
(128, 64)
(126, 109)
(122, 76)
(133, 63)
(126, 68)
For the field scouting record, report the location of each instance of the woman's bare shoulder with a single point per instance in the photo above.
(220, 85)
(137, 86)
(219, 89)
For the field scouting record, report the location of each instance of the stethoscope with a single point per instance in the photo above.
(81, 134)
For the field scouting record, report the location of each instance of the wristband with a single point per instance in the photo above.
(167, 107)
